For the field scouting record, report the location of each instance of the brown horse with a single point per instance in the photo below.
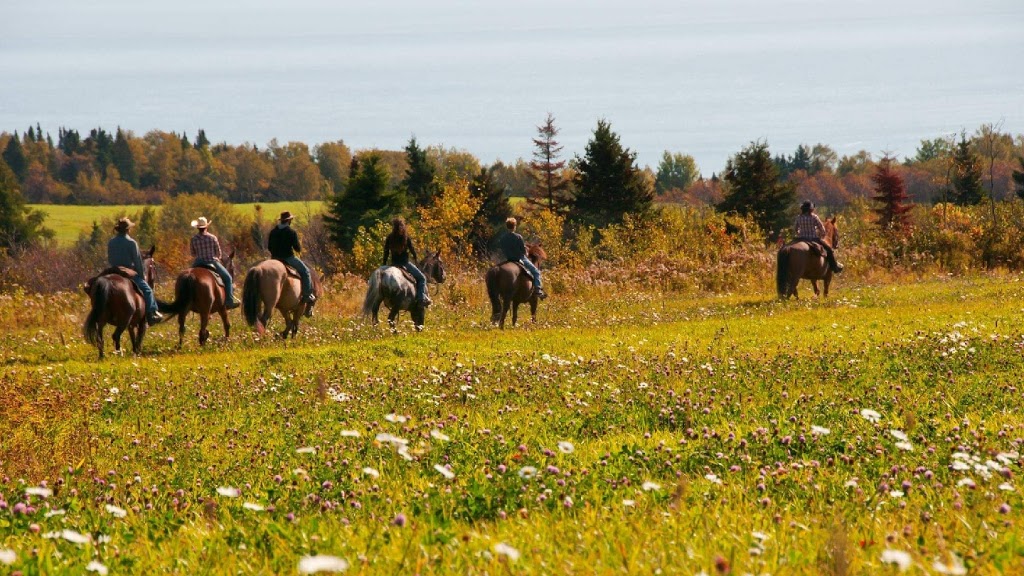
(799, 260)
(389, 286)
(509, 285)
(197, 290)
(269, 284)
(116, 301)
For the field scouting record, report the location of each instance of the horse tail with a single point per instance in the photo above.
(781, 276)
(184, 294)
(491, 279)
(372, 292)
(100, 295)
(251, 297)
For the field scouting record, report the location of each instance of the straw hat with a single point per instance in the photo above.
(201, 223)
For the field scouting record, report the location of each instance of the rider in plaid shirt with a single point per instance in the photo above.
(810, 229)
(205, 249)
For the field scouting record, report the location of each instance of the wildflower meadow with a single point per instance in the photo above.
(626, 432)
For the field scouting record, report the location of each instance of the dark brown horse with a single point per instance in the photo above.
(509, 285)
(269, 285)
(116, 301)
(800, 260)
(391, 287)
(197, 290)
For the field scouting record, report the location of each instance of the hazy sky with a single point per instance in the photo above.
(703, 78)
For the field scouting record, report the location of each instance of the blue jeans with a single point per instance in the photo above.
(421, 280)
(303, 270)
(532, 270)
(228, 281)
(147, 293)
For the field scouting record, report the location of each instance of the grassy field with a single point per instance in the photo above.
(69, 222)
(638, 433)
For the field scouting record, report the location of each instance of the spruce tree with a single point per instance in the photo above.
(608, 182)
(365, 200)
(494, 209)
(122, 159)
(14, 156)
(201, 140)
(966, 177)
(550, 189)
(419, 184)
(1018, 178)
(891, 195)
(753, 189)
(19, 226)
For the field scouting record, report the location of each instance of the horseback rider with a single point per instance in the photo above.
(283, 243)
(123, 251)
(810, 229)
(205, 249)
(399, 246)
(513, 247)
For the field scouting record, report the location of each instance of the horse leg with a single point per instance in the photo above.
(140, 332)
(204, 333)
(393, 316)
(506, 303)
(515, 313)
(99, 339)
(224, 320)
(826, 282)
(131, 338)
(814, 284)
(376, 310)
(181, 328)
(117, 339)
(533, 309)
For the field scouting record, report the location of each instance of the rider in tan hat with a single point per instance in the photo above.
(123, 250)
(283, 243)
(205, 250)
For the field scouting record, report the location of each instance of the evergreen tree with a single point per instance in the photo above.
(122, 159)
(69, 141)
(101, 145)
(39, 133)
(550, 188)
(419, 184)
(966, 177)
(494, 209)
(753, 188)
(30, 135)
(891, 194)
(14, 156)
(1018, 178)
(365, 200)
(201, 140)
(19, 226)
(608, 182)
(185, 144)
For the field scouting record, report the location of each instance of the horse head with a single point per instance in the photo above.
(535, 253)
(229, 263)
(149, 266)
(831, 232)
(433, 267)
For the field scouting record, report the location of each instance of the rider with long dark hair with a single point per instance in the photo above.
(399, 246)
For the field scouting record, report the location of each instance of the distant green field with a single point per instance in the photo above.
(71, 221)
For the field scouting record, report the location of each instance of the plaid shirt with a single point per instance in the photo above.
(205, 247)
(809, 226)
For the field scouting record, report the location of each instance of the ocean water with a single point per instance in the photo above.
(700, 77)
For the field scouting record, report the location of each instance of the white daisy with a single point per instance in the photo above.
(820, 430)
(395, 418)
(116, 512)
(253, 506)
(527, 472)
(566, 447)
(649, 486)
(38, 491)
(444, 471)
(96, 567)
(350, 434)
(321, 563)
(509, 552)
(306, 450)
(438, 435)
(228, 492)
(870, 415)
(8, 556)
(898, 557)
(371, 472)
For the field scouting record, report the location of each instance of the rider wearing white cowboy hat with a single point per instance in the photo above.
(283, 243)
(205, 250)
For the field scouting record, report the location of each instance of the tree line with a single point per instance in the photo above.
(450, 192)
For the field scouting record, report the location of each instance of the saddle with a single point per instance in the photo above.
(405, 273)
(814, 247)
(291, 272)
(124, 273)
(216, 275)
(521, 268)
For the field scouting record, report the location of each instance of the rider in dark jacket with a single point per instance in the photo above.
(513, 247)
(399, 247)
(283, 243)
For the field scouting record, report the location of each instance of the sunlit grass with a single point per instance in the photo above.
(706, 432)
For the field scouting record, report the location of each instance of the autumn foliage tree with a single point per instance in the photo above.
(891, 197)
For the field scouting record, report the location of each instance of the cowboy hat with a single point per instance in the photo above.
(201, 222)
(123, 224)
(286, 216)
